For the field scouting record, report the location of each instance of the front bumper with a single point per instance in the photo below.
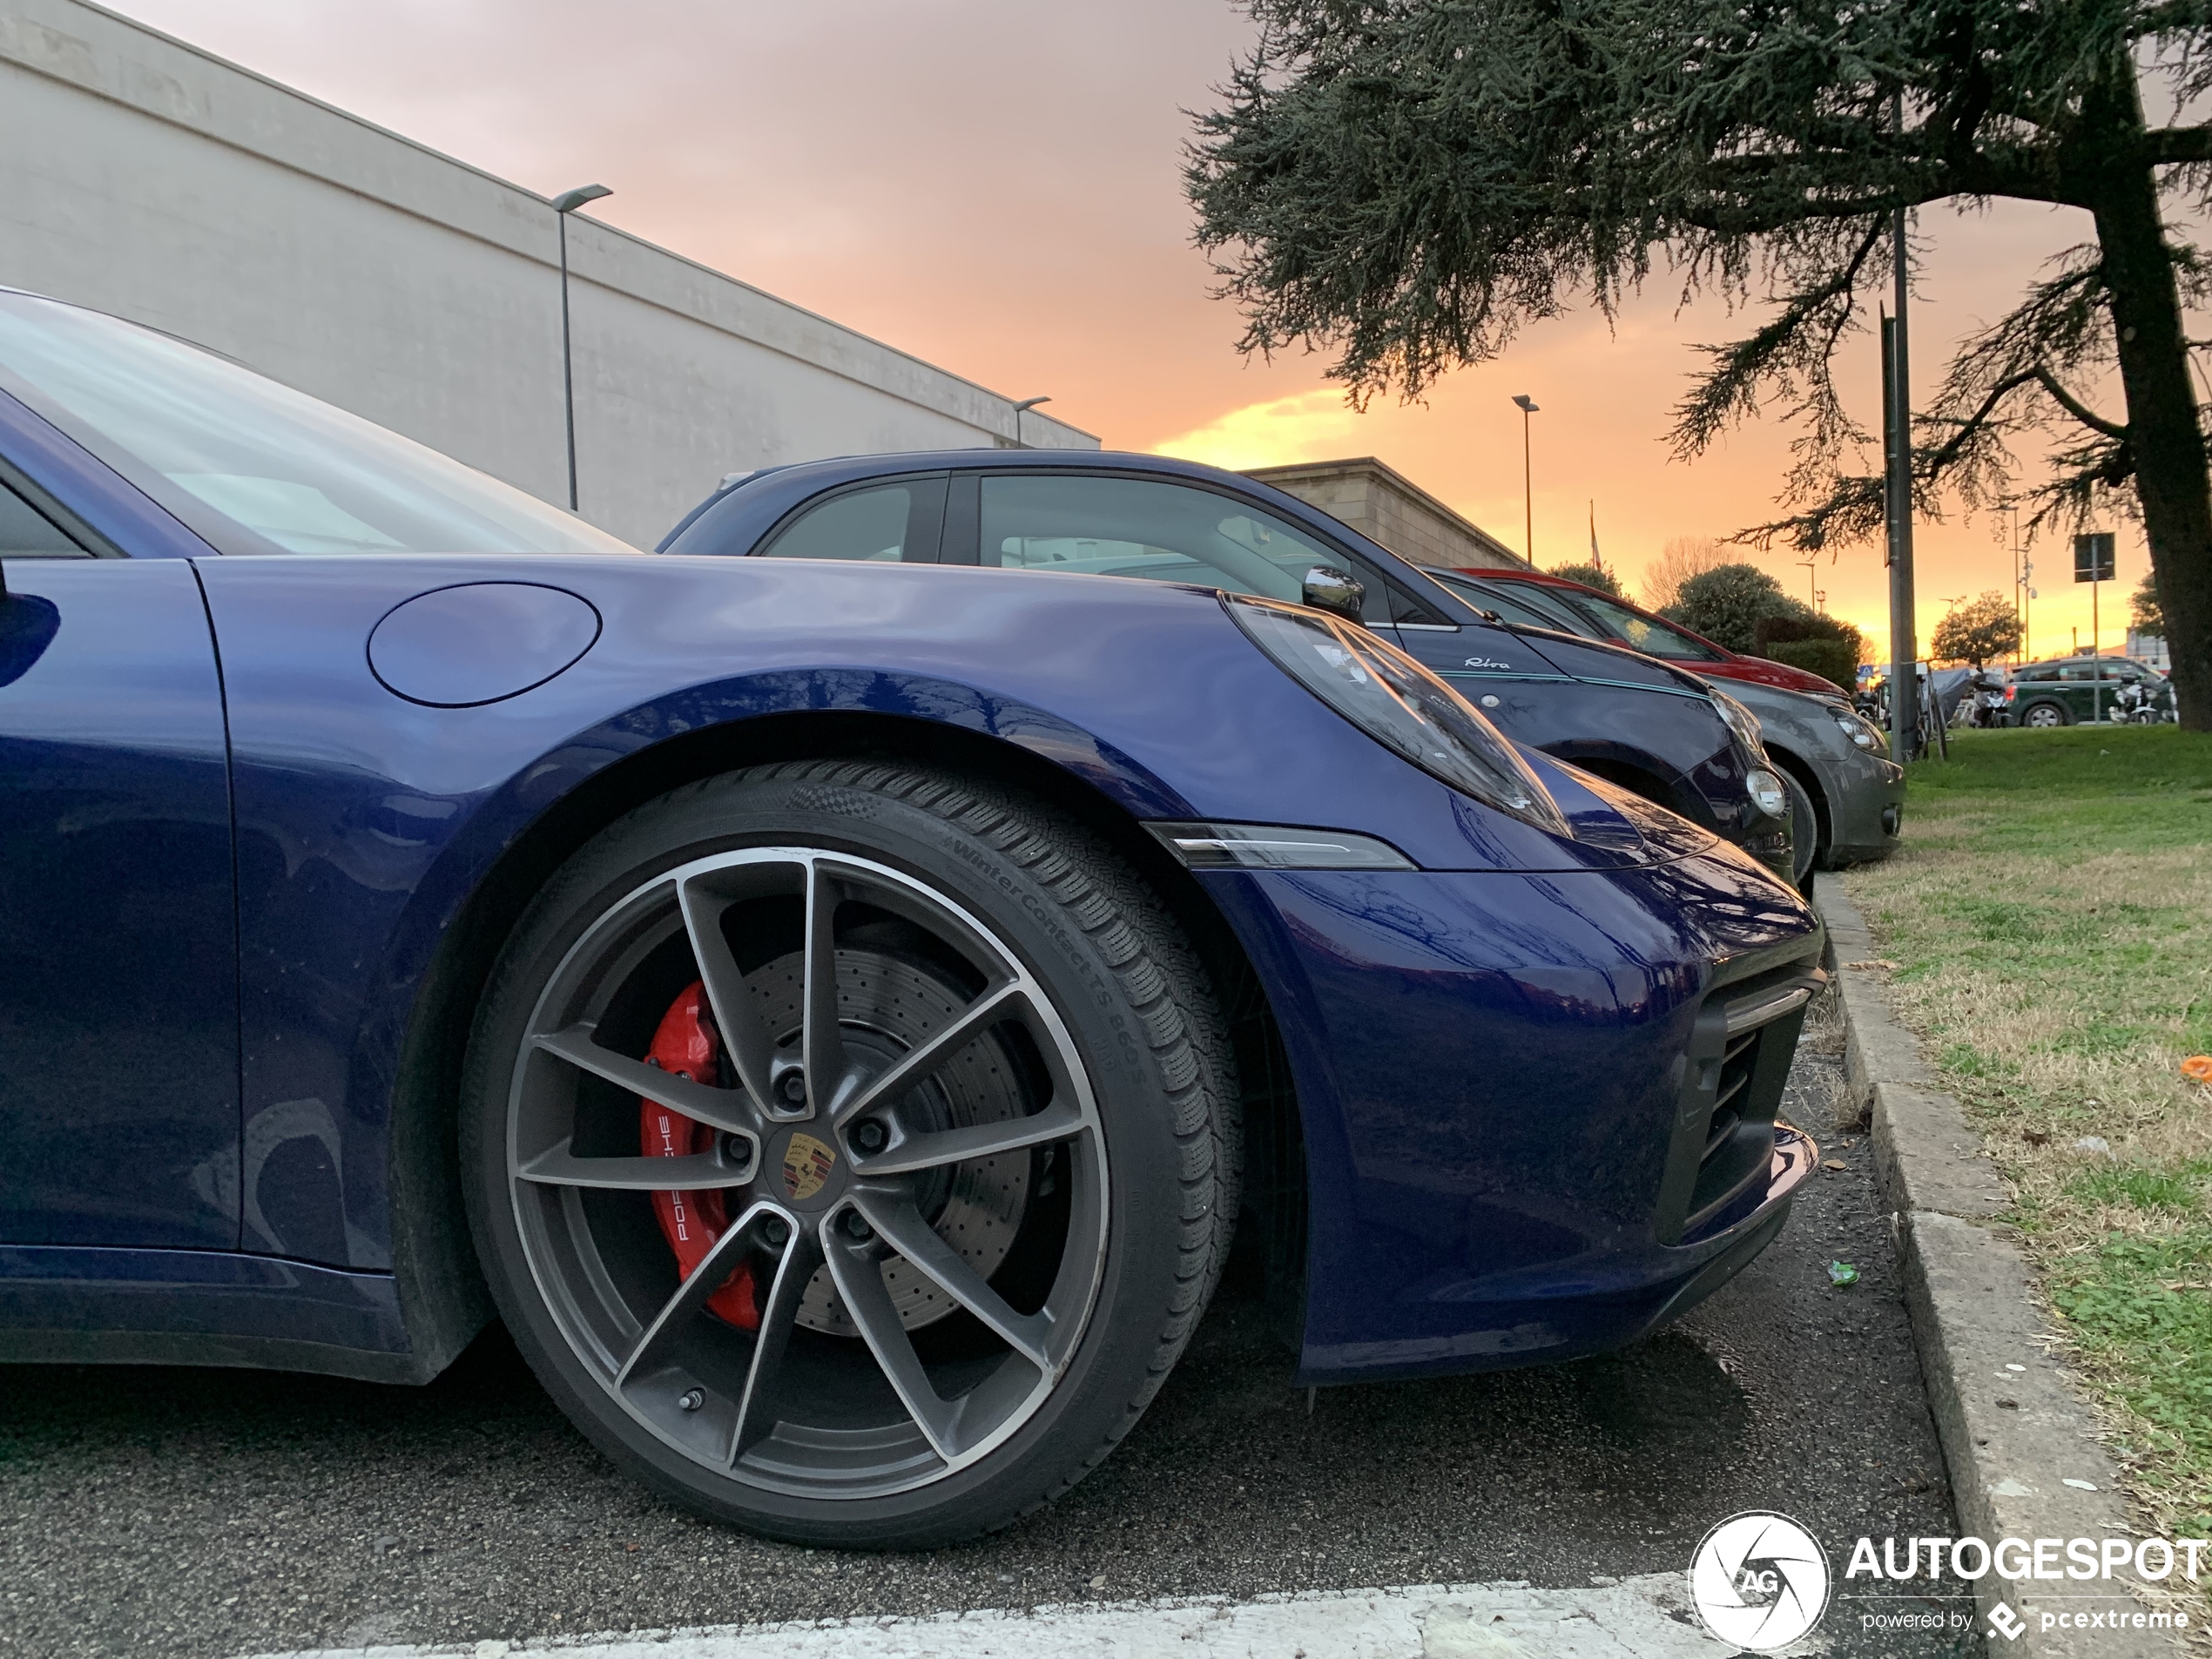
(1865, 808)
(1514, 1091)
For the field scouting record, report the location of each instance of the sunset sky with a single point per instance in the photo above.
(993, 184)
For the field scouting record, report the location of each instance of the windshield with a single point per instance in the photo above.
(1651, 637)
(254, 467)
(1510, 604)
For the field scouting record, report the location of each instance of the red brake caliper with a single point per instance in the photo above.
(686, 1045)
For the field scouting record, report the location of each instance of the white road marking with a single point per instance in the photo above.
(1647, 1617)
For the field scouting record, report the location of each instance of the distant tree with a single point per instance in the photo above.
(1682, 558)
(2143, 614)
(1978, 631)
(1591, 576)
(1408, 183)
(1727, 603)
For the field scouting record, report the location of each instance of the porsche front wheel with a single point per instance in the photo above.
(850, 1149)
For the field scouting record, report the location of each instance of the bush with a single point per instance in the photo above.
(1802, 624)
(1833, 660)
(1727, 603)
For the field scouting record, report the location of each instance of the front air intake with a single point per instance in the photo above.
(1739, 1057)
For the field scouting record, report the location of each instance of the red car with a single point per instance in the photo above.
(1640, 630)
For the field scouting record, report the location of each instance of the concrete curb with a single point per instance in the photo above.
(2013, 1429)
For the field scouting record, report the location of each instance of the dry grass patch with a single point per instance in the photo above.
(2051, 920)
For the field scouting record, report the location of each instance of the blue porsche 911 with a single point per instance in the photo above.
(836, 1015)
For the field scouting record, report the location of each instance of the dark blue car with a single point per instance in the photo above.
(835, 1015)
(1645, 725)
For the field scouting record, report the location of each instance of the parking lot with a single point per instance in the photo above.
(205, 1514)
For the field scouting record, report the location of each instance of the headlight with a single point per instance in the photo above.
(1741, 722)
(1398, 703)
(1766, 792)
(1861, 731)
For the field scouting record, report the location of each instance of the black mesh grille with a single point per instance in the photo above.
(1739, 1059)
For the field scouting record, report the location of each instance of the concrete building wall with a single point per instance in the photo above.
(1384, 504)
(150, 179)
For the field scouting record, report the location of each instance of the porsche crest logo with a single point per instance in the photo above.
(807, 1164)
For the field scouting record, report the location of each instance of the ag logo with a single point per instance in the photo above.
(1759, 1580)
(807, 1164)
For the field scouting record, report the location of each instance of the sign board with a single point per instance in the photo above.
(2093, 557)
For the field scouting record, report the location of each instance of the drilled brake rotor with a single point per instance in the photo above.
(886, 1005)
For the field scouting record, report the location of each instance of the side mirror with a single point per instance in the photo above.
(1327, 588)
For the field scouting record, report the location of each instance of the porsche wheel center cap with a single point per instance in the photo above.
(807, 1165)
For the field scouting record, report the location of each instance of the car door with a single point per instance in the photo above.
(119, 971)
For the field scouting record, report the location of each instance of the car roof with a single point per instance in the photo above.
(806, 478)
(1513, 573)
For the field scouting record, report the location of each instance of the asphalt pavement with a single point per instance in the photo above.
(157, 1512)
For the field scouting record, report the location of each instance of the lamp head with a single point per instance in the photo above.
(569, 200)
(1029, 403)
(1525, 403)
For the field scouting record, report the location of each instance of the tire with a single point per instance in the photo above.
(2044, 715)
(1804, 831)
(968, 1280)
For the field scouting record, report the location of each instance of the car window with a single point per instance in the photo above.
(2077, 671)
(1642, 633)
(886, 523)
(1162, 531)
(26, 533)
(252, 466)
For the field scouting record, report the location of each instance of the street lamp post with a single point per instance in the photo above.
(1527, 405)
(1025, 404)
(565, 204)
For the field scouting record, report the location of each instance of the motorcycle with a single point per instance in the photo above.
(2137, 703)
(1988, 701)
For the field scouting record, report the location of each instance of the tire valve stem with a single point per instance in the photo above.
(692, 1399)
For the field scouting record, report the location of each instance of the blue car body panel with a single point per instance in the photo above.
(1487, 1051)
(119, 1020)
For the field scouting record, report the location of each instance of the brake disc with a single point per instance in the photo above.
(886, 1005)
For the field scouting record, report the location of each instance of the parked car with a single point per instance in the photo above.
(1653, 634)
(1834, 761)
(829, 1011)
(2069, 690)
(1641, 724)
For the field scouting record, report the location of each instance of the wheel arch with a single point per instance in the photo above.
(1808, 779)
(442, 1299)
(1631, 773)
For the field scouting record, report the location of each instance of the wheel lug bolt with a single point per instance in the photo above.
(691, 1399)
(777, 1232)
(856, 1226)
(793, 1088)
(870, 1135)
(737, 1149)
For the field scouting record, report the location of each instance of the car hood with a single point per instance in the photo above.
(1603, 662)
(1757, 670)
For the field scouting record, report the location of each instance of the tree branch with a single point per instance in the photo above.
(2178, 146)
(2079, 410)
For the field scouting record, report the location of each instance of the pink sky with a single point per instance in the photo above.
(993, 185)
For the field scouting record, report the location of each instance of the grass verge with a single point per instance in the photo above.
(2050, 921)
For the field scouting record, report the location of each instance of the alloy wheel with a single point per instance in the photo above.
(910, 1174)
